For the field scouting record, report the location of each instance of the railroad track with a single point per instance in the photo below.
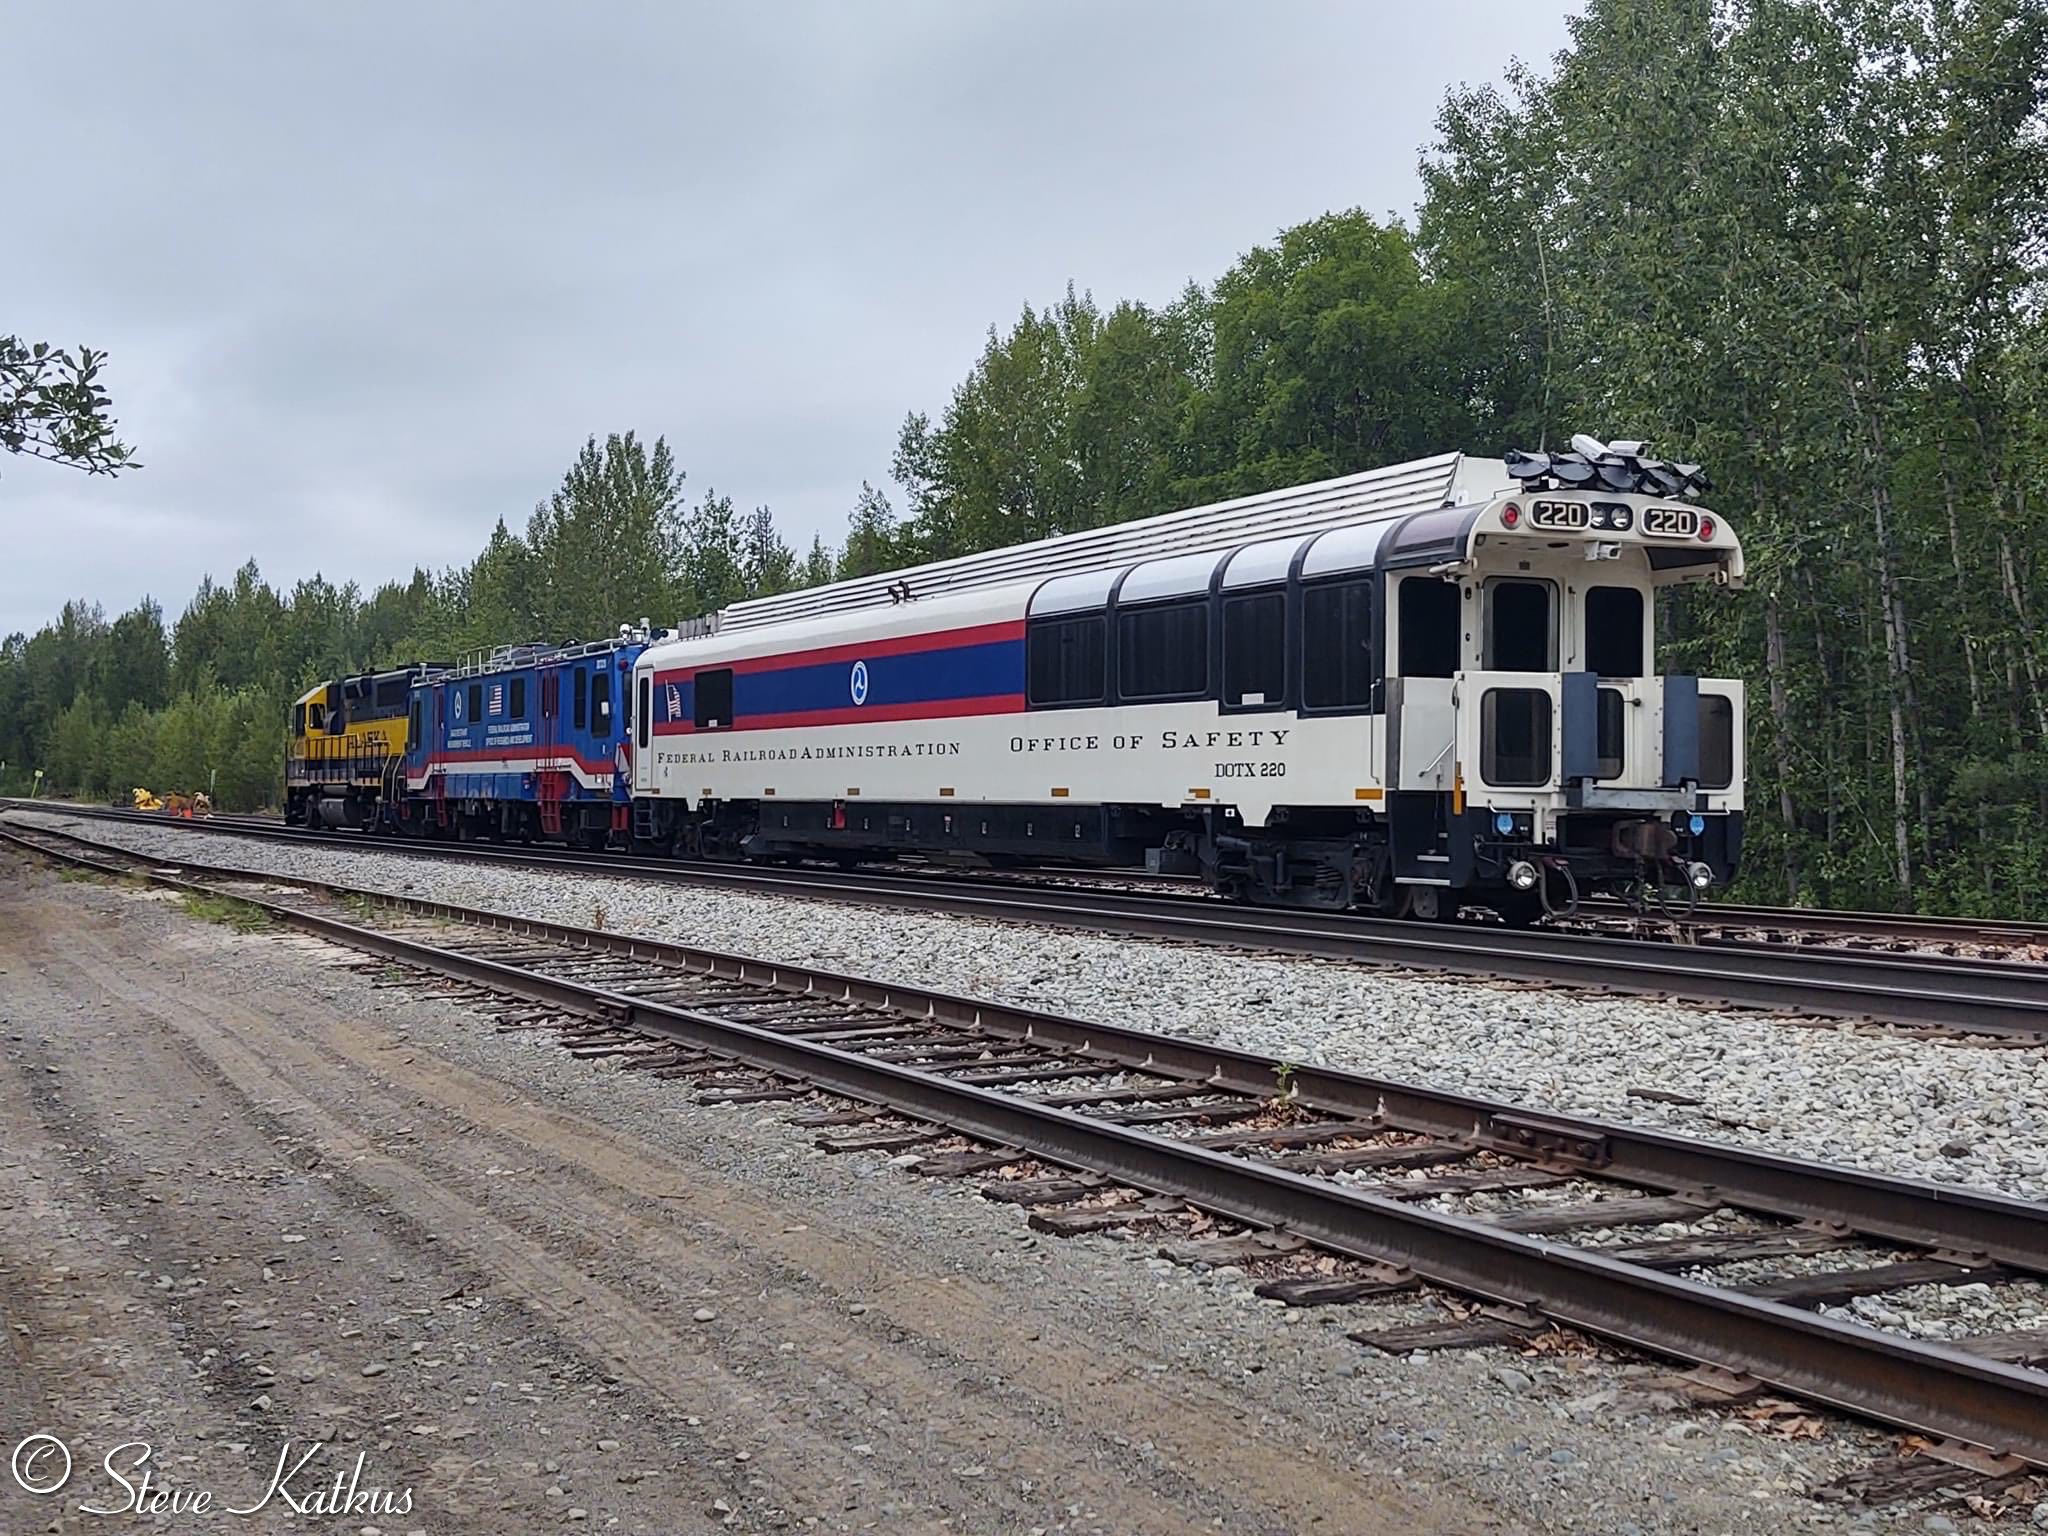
(1332, 1188)
(1945, 995)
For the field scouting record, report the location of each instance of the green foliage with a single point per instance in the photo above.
(874, 542)
(1803, 247)
(225, 910)
(52, 407)
(609, 542)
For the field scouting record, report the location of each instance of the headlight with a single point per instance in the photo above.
(1623, 519)
(1522, 875)
(1700, 876)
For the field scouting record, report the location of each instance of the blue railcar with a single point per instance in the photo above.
(530, 742)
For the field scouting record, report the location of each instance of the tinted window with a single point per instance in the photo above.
(1066, 660)
(413, 725)
(1521, 629)
(581, 705)
(1429, 627)
(518, 711)
(1336, 646)
(1614, 631)
(1162, 652)
(298, 719)
(1514, 737)
(1255, 649)
(646, 705)
(714, 699)
(1717, 741)
(600, 703)
(476, 701)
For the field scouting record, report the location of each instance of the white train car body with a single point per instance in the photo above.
(1397, 689)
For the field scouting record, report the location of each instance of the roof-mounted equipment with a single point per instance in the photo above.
(1618, 466)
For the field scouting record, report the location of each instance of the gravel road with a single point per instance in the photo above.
(534, 1293)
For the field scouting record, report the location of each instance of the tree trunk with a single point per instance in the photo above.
(2023, 640)
(1781, 727)
(1898, 646)
(1963, 604)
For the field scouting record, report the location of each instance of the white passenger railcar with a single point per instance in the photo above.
(1401, 690)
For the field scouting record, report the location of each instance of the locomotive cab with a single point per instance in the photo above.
(1534, 752)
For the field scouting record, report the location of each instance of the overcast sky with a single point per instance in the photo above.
(369, 274)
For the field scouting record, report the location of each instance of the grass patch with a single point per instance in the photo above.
(360, 906)
(238, 915)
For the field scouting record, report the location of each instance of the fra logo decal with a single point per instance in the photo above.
(857, 684)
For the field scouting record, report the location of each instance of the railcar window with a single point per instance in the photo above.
(1717, 741)
(1255, 650)
(390, 695)
(601, 704)
(1429, 627)
(714, 699)
(1608, 745)
(1336, 646)
(298, 719)
(476, 701)
(646, 707)
(1514, 737)
(1162, 652)
(1067, 660)
(1614, 631)
(412, 724)
(579, 707)
(518, 710)
(1521, 626)
(316, 717)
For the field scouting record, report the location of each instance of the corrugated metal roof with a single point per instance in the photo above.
(1394, 491)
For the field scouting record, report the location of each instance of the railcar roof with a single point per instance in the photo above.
(1448, 479)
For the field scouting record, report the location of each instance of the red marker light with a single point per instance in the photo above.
(1706, 528)
(1510, 515)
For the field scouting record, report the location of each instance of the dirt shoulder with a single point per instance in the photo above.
(248, 1198)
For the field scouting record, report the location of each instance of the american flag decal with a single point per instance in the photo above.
(675, 702)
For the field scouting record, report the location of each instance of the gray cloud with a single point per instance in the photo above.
(370, 274)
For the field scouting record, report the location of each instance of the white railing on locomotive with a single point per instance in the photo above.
(508, 658)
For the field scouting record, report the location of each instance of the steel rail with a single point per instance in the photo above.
(1710, 911)
(1907, 1211)
(1978, 997)
(1916, 1385)
(1917, 1212)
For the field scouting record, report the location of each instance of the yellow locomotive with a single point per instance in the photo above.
(347, 748)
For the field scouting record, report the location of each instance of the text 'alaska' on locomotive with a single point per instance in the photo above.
(1403, 691)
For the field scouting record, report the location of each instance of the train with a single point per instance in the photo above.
(1406, 692)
